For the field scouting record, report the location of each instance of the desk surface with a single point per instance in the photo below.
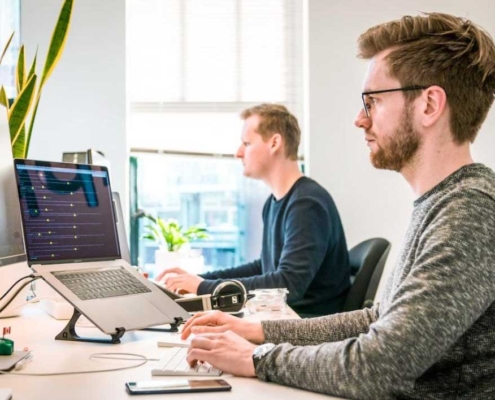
(37, 330)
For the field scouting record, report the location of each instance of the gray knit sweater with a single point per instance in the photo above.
(433, 334)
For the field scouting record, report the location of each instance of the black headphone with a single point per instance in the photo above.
(228, 296)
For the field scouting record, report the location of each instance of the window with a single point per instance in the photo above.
(205, 190)
(9, 22)
(193, 66)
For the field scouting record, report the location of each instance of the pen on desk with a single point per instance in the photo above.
(22, 363)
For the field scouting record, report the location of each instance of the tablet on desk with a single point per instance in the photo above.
(9, 362)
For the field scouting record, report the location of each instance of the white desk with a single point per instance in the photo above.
(37, 330)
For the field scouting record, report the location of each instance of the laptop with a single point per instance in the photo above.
(71, 240)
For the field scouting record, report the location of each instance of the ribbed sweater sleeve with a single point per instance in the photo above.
(331, 328)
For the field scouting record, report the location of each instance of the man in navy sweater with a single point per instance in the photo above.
(304, 247)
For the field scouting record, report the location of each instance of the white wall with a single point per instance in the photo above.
(371, 202)
(83, 103)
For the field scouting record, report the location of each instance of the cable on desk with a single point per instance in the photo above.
(16, 282)
(18, 291)
(111, 356)
(137, 357)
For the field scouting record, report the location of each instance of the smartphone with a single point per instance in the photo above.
(177, 386)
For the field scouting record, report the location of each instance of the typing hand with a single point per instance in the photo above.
(219, 349)
(173, 270)
(219, 322)
(176, 279)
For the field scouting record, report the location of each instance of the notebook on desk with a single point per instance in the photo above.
(71, 240)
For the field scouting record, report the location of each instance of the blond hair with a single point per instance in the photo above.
(276, 118)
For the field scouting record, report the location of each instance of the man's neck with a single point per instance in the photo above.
(430, 167)
(282, 178)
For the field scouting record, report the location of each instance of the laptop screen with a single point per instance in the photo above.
(67, 212)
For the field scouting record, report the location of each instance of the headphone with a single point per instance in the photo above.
(228, 296)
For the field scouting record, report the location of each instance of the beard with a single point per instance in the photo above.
(396, 151)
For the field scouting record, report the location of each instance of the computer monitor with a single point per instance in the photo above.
(13, 264)
(11, 242)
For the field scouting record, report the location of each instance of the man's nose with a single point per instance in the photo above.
(362, 121)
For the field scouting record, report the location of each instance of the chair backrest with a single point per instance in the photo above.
(367, 260)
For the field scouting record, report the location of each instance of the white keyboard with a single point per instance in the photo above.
(174, 363)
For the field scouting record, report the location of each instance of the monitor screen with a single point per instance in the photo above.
(11, 244)
(67, 212)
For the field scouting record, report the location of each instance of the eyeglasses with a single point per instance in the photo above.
(367, 106)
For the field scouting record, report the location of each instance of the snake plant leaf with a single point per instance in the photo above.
(3, 98)
(32, 70)
(6, 47)
(19, 110)
(31, 124)
(57, 43)
(20, 71)
(19, 147)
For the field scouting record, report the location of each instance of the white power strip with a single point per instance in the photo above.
(58, 308)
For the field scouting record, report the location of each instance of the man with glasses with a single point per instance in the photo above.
(429, 87)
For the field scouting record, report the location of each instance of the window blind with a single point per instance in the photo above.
(195, 64)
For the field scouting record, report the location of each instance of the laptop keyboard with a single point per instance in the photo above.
(101, 283)
(174, 363)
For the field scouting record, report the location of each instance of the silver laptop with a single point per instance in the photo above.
(71, 240)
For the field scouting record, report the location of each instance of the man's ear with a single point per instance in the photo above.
(434, 105)
(276, 142)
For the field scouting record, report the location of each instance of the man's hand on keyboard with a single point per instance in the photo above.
(218, 322)
(226, 351)
(177, 279)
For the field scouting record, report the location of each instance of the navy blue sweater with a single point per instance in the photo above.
(304, 250)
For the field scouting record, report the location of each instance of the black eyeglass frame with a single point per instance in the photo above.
(402, 89)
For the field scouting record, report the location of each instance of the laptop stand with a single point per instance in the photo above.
(174, 326)
(69, 332)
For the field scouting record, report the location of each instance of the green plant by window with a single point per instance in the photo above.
(169, 234)
(28, 94)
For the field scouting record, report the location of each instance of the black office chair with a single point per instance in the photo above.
(367, 260)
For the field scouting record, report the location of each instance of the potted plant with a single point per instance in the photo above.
(173, 241)
(29, 87)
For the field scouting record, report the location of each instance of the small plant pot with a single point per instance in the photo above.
(167, 259)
